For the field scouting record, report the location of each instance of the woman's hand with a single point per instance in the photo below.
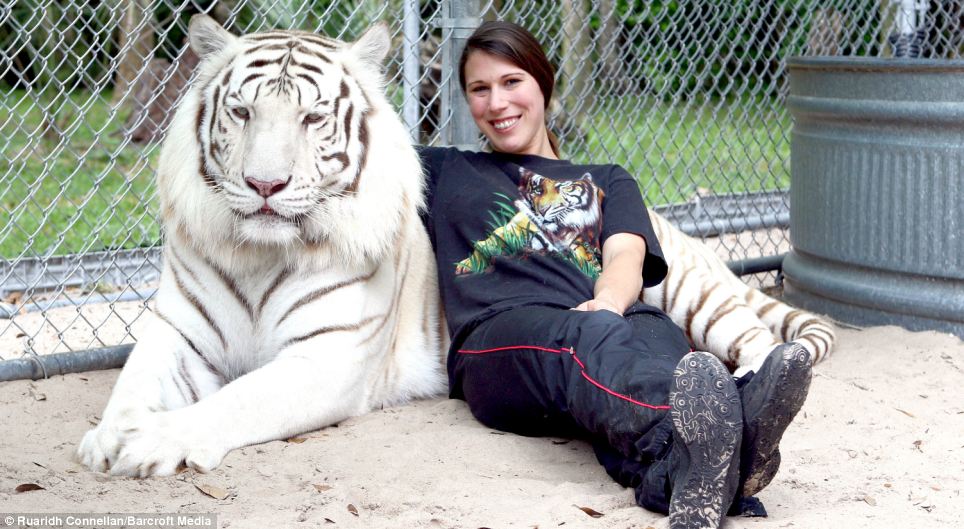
(598, 304)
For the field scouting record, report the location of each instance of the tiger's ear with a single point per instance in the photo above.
(373, 46)
(207, 36)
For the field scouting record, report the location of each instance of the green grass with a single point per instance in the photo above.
(676, 150)
(510, 243)
(88, 190)
(78, 190)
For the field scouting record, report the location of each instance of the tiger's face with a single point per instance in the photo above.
(564, 202)
(283, 127)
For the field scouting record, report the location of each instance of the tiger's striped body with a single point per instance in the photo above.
(722, 315)
(298, 285)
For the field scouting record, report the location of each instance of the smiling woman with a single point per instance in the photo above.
(508, 83)
(541, 263)
(507, 105)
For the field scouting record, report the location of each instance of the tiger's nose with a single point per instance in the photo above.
(264, 188)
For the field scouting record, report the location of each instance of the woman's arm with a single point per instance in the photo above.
(621, 279)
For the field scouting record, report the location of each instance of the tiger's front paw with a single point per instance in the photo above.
(148, 444)
(99, 447)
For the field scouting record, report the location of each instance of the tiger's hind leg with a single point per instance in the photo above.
(714, 317)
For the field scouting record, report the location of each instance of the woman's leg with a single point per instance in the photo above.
(770, 399)
(547, 371)
(550, 371)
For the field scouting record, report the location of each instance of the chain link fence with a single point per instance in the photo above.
(688, 95)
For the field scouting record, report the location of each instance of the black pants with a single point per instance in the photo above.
(540, 371)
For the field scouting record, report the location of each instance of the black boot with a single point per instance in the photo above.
(707, 427)
(770, 399)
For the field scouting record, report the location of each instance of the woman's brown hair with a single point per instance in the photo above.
(515, 44)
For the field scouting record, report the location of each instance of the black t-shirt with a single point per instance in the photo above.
(515, 230)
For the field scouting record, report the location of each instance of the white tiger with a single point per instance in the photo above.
(298, 285)
(721, 314)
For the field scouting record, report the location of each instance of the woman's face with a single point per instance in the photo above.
(507, 105)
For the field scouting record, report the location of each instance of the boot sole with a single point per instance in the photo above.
(707, 422)
(784, 395)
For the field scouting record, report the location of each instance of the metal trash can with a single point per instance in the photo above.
(877, 191)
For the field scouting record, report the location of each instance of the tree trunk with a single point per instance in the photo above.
(136, 49)
(826, 33)
(155, 95)
(612, 68)
(577, 66)
(51, 63)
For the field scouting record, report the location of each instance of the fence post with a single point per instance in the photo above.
(411, 57)
(459, 20)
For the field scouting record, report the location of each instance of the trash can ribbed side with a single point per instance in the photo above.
(877, 191)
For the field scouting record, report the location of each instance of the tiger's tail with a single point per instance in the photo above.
(789, 324)
(722, 315)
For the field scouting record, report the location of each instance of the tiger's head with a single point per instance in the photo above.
(566, 203)
(283, 137)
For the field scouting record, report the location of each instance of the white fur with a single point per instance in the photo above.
(752, 324)
(264, 387)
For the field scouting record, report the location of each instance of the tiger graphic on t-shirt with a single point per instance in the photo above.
(558, 217)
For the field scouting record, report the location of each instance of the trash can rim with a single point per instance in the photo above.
(875, 64)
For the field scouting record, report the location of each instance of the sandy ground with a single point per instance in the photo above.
(879, 443)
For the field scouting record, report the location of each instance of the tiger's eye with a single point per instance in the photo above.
(313, 118)
(241, 113)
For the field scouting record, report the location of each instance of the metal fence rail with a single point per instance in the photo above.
(688, 95)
